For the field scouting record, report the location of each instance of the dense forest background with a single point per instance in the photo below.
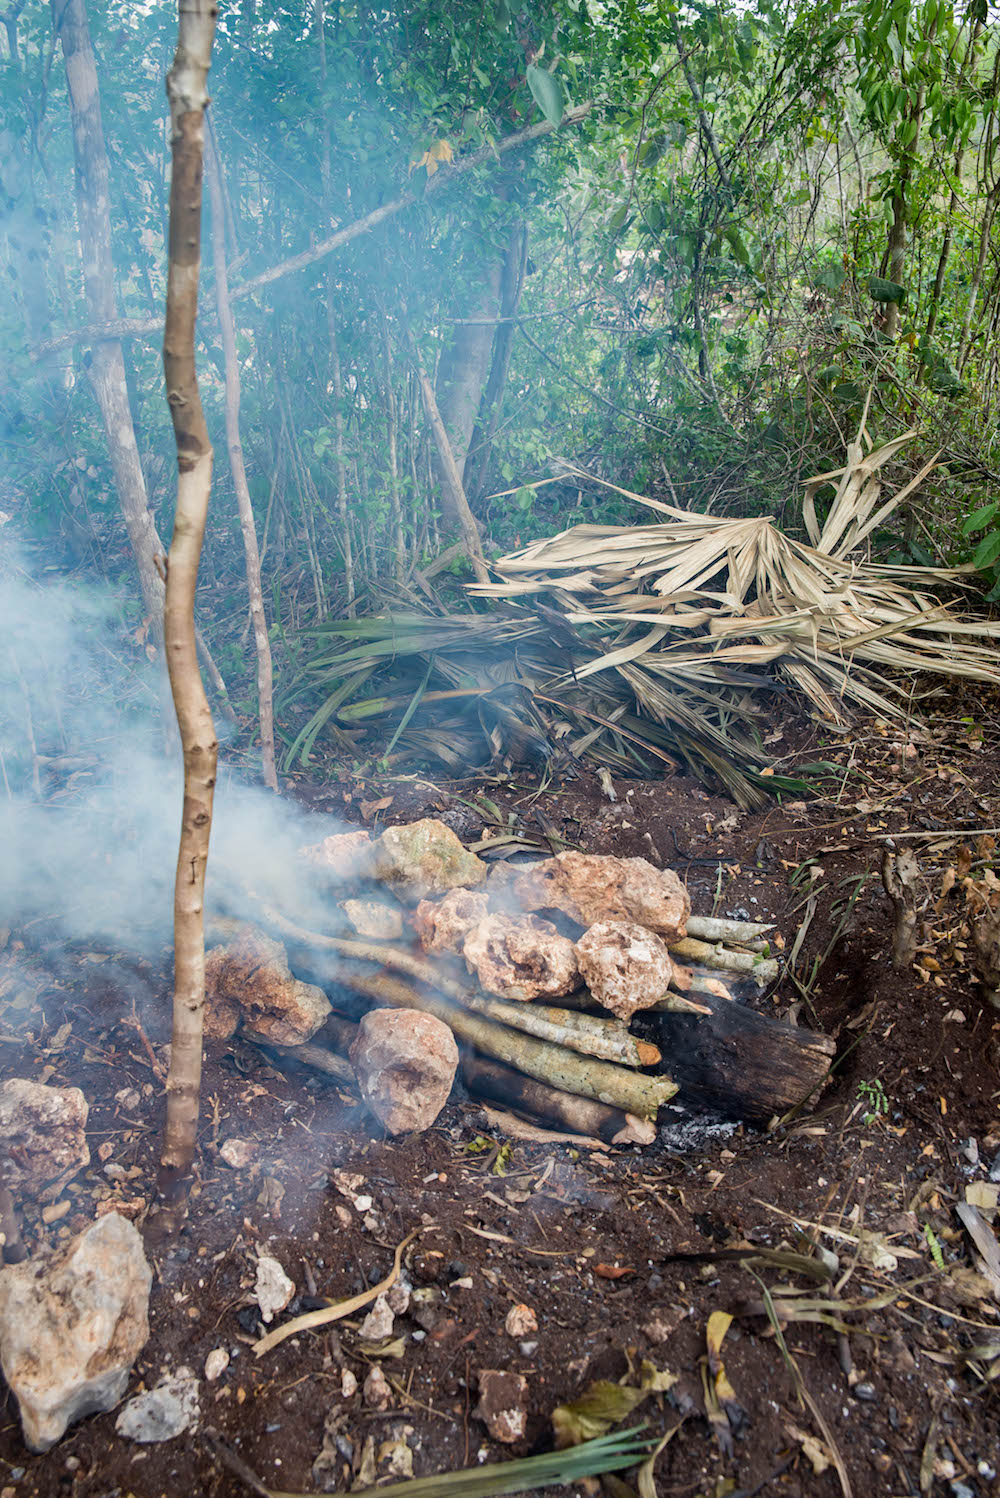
(677, 246)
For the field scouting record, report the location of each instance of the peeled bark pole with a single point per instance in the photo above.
(227, 328)
(188, 97)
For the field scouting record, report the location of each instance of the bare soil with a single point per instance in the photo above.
(594, 1241)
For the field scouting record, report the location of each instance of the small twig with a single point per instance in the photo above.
(344, 1308)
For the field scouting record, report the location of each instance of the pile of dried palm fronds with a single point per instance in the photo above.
(629, 645)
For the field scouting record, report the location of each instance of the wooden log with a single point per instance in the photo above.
(744, 1064)
(485, 1078)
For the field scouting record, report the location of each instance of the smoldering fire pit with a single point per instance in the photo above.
(580, 989)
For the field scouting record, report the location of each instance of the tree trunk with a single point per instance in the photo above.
(262, 643)
(451, 478)
(107, 368)
(481, 443)
(188, 97)
(465, 365)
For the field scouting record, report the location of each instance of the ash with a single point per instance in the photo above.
(691, 1135)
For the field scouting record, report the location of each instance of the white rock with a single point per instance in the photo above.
(164, 1412)
(216, 1364)
(521, 1321)
(238, 1153)
(273, 1289)
(348, 1383)
(378, 1395)
(378, 1324)
(72, 1325)
(43, 1130)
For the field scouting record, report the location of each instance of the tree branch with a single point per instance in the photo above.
(138, 327)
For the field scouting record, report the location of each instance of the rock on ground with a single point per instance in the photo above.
(72, 1325)
(373, 919)
(42, 1129)
(591, 887)
(341, 857)
(424, 858)
(625, 966)
(441, 925)
(405, 1063)
(251, 978)
(521, 957)
(502, 1404)
(162, 1413)
(273, 1289)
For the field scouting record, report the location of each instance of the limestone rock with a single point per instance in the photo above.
(501, 1407)
(373, 919)
(273, 1289)
(441, 925)
(424, 858)
(521, 957)
(341, 857)
(625, 966)
(405, 1063)
(250, 977)
(72, 1325)
(379, 1322)
(162, 1413)
(591, 887)
(43, 1132)
(376, 1389)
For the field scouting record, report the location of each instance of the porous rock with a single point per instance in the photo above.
(591, 887)
(424, 858)
(625, 966)
(373, 919)
(272, 1289)
(376, 1389)
(405, 1063)
(521, 957)
(340, 857)
(162, 1413)
(43, 1131)
(441, 925)
(250, 979)
(72, 1325)
(501, 1407)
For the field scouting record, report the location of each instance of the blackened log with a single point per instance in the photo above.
(739, 1062)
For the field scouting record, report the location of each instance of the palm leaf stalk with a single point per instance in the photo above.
(635, 646)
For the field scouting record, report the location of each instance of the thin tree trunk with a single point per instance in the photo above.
(107, 366)
(340, 461)
(511, 285)
(457, 504)
(465, 363)
(186, 90)
(262, 643)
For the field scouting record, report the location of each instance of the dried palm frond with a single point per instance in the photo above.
(635, 646)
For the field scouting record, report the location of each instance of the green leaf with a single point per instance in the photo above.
(881, 290)
(601, 1405)
(979, 518)
(987, 551)
(547, 93)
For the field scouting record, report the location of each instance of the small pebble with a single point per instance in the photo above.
(985, 1470)
(962, 1490)
(216, 1364)
(528, 1349)
(865, 1392)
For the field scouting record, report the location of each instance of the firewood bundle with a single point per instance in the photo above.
(580, 989)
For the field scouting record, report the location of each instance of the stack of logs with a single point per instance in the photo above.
(648, 993)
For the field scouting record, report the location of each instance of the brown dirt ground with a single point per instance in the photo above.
(899, 1393)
